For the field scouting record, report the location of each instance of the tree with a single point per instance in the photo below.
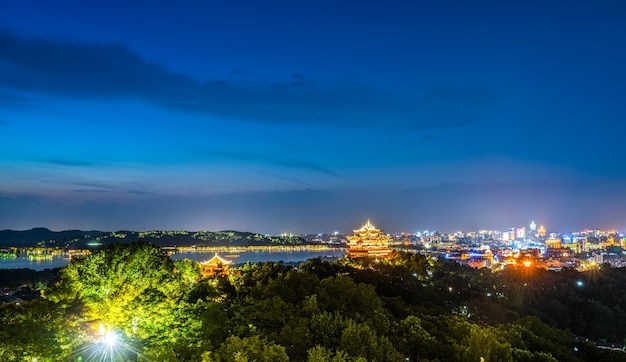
(357, 301)
(359, 340)
(414, 339)
(36, 331)
(131, 288)
(254, 348)
(322, 354)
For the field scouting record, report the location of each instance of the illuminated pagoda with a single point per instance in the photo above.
(368, 242)
(215, 266)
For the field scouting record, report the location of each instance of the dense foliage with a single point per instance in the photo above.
(409, 307)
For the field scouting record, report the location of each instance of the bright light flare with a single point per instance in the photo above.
(110, 338)
(527, 263)
(108, 345)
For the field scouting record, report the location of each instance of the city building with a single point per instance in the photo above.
(541, 232)
(553, 243)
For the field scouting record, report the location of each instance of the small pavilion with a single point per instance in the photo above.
(215, 266)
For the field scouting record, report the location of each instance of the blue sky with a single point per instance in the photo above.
(298, 117)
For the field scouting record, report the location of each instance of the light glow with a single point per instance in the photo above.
(110, 338)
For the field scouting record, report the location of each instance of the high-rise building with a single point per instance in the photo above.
(533, 227)
(541, 232)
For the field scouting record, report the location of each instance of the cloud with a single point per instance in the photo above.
(73, 191)
(71, 163)
(81, 69)
(83, 186)
(107, 71)
(90, 190)
(286, 178)
(8, 99)
(447, 208)
(265, 159)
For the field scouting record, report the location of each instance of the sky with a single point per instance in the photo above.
(312, 116)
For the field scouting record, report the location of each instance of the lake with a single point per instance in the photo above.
(238, 257)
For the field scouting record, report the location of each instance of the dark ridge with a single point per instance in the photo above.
(85, 239)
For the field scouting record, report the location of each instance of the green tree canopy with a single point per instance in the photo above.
(135, 288)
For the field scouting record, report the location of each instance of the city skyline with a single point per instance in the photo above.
(284, 117)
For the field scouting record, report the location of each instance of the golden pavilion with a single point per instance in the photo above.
(368, 242)
(215, 266)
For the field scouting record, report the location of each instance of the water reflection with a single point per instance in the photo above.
(241, 256)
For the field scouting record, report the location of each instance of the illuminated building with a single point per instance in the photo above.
(581, 242)
(571, 246)
(368, 242)
(533, 227)
(595, 246)
(477, 263)
(505, 236)
(598, 258)
(512, 234)
(541, 232)
(215, 266)
(520, 232)
(553, 243)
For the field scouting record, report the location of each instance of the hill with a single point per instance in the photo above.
(85, 239)
(40, 236)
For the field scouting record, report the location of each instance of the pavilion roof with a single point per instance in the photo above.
(216, 260)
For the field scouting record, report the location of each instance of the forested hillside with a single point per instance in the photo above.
(131, 302)
(83, 239)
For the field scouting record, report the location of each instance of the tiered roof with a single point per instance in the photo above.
(216, 260)
(368, 241)
(215, 265)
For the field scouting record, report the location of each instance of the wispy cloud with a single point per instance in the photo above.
(82, 185)
(287, 178)
(269, 160)
(92, 186)
(71, 163)
(447, 208)
(111, 70)
(8, 99)
(90, 190)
